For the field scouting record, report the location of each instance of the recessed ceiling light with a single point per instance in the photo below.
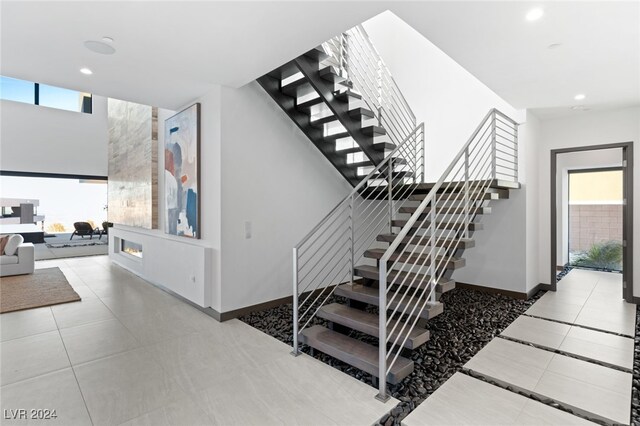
(86, 71)
(535, 14)
(554, 46)
(107, 39)
(99, 47)
(579, 97)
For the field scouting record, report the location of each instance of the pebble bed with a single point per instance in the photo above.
(469, 321)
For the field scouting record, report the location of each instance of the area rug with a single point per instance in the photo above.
(80, 243)
(45, 287)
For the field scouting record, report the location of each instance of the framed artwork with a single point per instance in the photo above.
(182, 173)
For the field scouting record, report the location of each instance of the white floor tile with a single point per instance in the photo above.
(57, 391)
(32, 356)
(541, 332)
(125, 386)
(26, 323)
(96, 340)
(78, 313)
(599, 346)
(181, 412)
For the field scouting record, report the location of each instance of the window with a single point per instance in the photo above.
(16, 90)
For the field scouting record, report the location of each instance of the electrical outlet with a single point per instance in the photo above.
(247, 230)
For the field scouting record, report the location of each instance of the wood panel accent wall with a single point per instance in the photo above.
(133, 164)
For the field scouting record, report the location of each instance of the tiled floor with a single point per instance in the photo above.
(129, 353)
(576, 354)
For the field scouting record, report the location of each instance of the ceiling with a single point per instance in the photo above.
(169, 53)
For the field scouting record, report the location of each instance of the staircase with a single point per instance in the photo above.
(354, 119)
(389, 249)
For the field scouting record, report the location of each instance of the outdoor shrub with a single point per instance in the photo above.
(604, 255)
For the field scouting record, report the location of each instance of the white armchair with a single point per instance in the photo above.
(23, 262)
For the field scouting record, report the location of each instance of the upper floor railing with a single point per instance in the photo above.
(358, 61)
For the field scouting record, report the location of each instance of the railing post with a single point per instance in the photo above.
(466, 193)
(352, 226)
(382, 335)
(296, 349)
(424, 150)
(493, 145)
(390, 193)
(515, 140)
(432, 253)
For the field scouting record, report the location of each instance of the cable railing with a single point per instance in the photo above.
(328, 254)
(357, 60)
(427, 243)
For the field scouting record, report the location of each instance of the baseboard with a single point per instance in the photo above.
(236, 313)
(508, 293)
(559, 268)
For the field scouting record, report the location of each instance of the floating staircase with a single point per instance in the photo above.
(388, 250)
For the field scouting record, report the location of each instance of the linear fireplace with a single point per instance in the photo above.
(131, 248)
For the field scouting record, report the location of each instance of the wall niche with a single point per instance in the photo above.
(133, 164)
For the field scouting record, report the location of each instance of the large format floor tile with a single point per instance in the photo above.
(579, 341)
(78, 313)
(32, 356)
(125, 386)
(54, 391)
(595, 390)
(463, 400)
(509, 362)
(26, 323)
(97, 340)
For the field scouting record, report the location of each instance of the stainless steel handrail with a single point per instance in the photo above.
(328, 253)
(445, 218)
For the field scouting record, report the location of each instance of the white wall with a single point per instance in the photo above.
(452, 102)
(575, 161)
(40, 139)
(446, 97)
(276, 179)
(588, 128)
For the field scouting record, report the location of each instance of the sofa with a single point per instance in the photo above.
(19, 259)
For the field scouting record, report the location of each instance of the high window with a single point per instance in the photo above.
(13, 89)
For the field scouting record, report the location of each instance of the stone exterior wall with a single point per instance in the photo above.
(591, 223)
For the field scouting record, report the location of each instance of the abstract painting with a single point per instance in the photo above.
(182, 173)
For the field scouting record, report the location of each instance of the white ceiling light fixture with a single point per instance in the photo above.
(554, 46)
(580, 108)
(534, 14)
(99, 47)
(580, 97)
(86, 71)
(107, 39)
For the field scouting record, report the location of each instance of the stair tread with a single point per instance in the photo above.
(372, 272)
(447, 210)
(373, 130)
(369, 323)
(309, 103)
(474, 226)
(453, 262)
(298, 88)
(370, 295)
(346, 95)
(465, 242)
(361, 112)
(380, 146)
(354, 352)
(459, 196)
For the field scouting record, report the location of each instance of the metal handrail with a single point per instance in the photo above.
(358, 60)
(319, 258)
(472, 171)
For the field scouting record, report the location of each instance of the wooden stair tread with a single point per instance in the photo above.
(379, 146)
(459, 196)
(473, 226)
(370, 296)
(354, 352)
(416, 258)
(373, 273)
(463, 243)
(446, 210)
(369, 323)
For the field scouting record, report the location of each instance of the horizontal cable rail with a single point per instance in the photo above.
(359, 62)
(328, 254)
(438, 225)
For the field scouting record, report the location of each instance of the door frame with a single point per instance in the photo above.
(627, 212)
